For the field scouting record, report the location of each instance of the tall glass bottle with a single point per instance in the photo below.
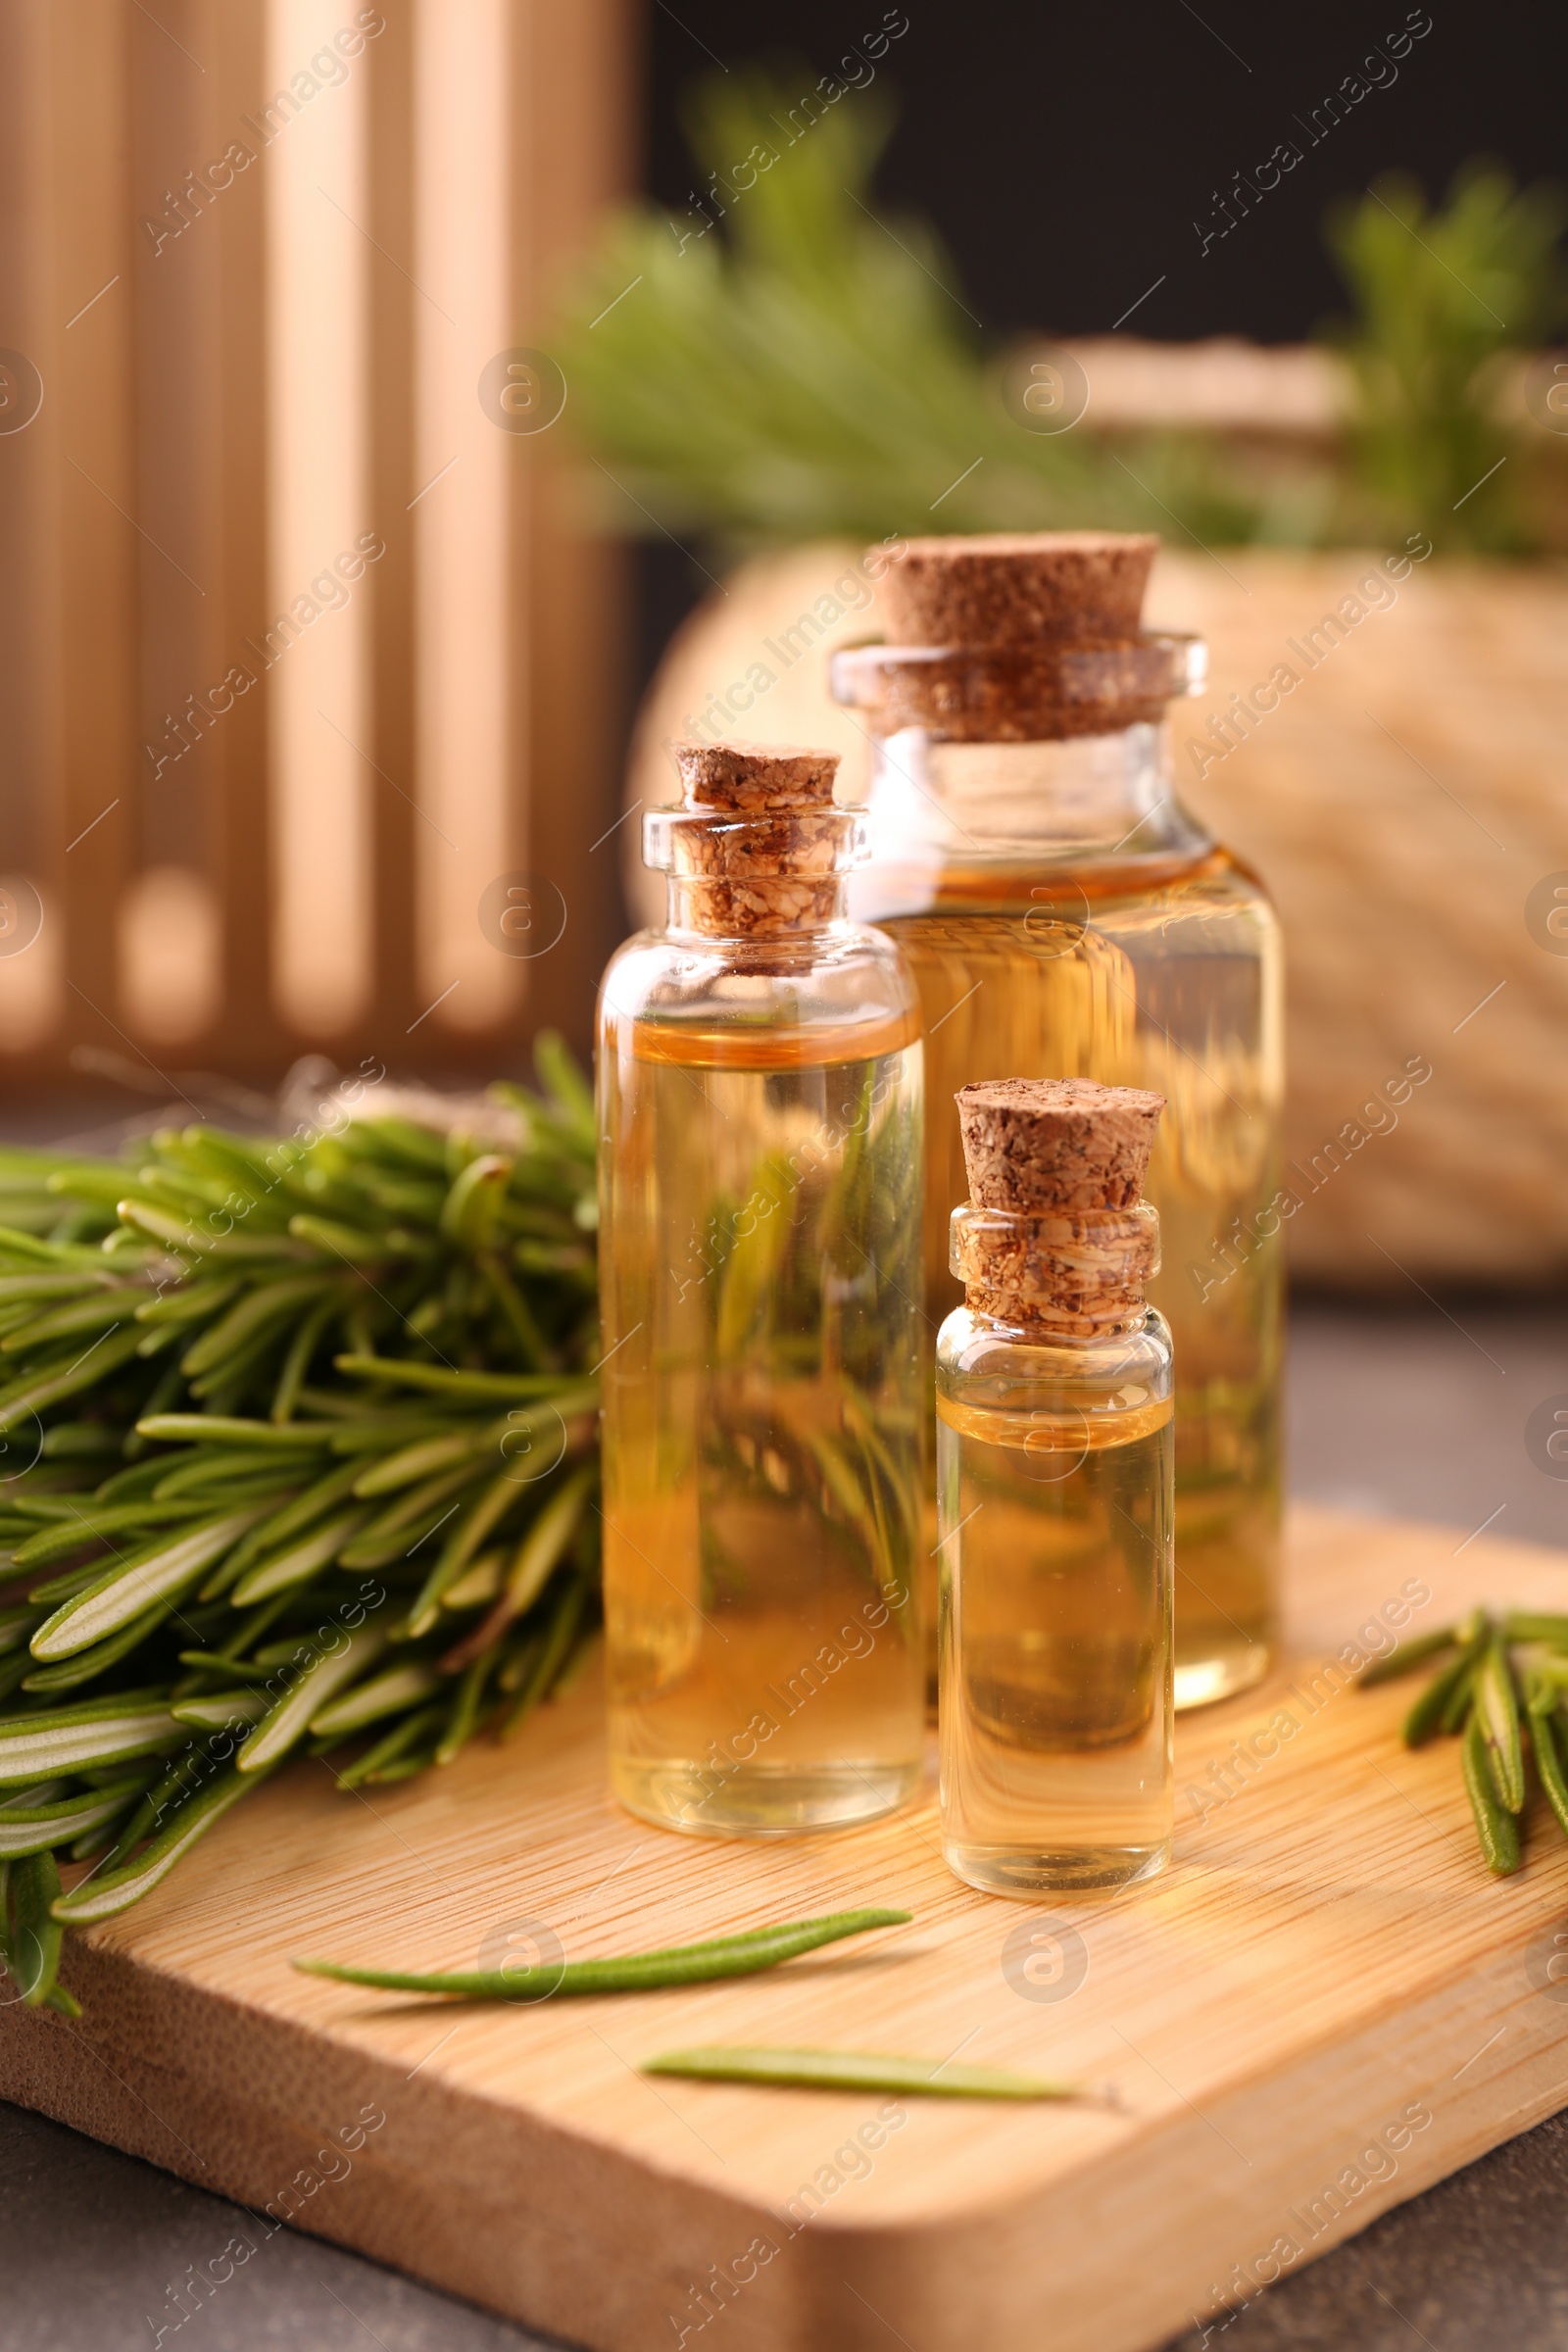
(1064, 916)
(1053, 1467)
(759, 1095)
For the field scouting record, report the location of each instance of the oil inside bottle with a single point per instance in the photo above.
(762, 1450)
(1055, 1634)
(1064, 916)
(1158, 973)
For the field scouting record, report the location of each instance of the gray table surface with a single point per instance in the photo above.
(1418, 1411)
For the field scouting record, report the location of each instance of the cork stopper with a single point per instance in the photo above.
(1017, 637)
(1055, 1232)
(759, 849)
(1015, 588)
(749, 778)
(1031, 1144)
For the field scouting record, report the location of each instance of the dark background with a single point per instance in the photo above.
(1064, 153)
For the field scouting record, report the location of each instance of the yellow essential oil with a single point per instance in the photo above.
(759, 1074)
(1055, 1460)
(1064, 916)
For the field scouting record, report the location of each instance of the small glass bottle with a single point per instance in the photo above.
(1054, 1466)
(1065, 916)
(759, 1113)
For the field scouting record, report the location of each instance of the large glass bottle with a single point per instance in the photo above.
(1065, 917)
(1054, 1481)
(758, 1081)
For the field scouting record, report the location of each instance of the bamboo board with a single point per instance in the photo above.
(1324, 2006)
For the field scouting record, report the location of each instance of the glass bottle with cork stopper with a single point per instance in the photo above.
(1064, 916)
(1055, 1464)
(759, 1109)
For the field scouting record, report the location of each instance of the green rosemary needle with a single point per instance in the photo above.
(1535, 1625)
(29, 1935)
(855, 2070)
(1408, 1656)
(1496, 1706)
(1427, 1715)
(1457, 1713)
(741, 1955)
(1495, 1826)
(1541, 1705)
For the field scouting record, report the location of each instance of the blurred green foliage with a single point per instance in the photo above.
(1441, 299)
(789, 361)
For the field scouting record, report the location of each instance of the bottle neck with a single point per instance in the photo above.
(1081, 796)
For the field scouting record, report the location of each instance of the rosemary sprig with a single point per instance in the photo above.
(1502, 1713)
(214, 1346)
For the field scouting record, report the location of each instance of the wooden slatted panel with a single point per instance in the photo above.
(571, 587)
(136, 507)
(247, 1038)
(30, 799)
(88, 451)
(393, 484)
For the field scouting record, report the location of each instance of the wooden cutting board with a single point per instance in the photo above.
(1325, 2005)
